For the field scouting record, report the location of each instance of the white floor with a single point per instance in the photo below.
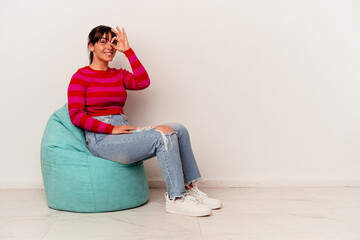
(247, 213)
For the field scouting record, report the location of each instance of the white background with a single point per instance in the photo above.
(269, 90)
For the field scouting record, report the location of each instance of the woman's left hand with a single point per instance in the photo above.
(122, 42)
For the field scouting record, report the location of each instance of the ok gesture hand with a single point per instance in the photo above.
(122, 42)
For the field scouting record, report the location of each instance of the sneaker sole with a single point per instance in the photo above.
(215, 207)
(169, 210)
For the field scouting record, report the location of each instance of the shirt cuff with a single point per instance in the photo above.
(109, 128)
(129, 52)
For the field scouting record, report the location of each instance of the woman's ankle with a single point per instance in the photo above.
(188, 186)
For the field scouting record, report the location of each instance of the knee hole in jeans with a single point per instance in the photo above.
(164, 129)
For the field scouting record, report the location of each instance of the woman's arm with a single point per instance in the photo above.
(139, 79)
(76, 107)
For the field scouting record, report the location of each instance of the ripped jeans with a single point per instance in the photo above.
(173, 150)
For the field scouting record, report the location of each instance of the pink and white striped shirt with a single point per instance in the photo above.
(98, 92)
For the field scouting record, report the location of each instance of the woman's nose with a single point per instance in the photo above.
(108, 46)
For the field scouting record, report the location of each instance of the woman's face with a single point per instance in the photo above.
(102, 49)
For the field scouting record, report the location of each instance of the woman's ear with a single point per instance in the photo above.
(91, 47)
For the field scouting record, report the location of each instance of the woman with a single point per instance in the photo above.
(96, 97)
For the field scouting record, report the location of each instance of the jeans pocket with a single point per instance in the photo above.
(105, 119)
(124, 117)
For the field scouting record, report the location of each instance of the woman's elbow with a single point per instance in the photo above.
(144, 84)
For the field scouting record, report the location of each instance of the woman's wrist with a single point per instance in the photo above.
(128, 52)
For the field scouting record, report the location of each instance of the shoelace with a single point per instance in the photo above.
(196, 190)
(190, 199)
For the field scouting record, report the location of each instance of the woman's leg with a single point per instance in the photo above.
(191, 171)
(142, 145)
(189, 165)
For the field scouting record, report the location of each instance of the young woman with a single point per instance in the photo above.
(96, 97)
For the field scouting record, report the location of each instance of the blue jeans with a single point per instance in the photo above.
(173, 150)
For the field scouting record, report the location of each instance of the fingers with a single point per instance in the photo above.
(114, 31)
(126, 132)
(123, 131)
(113, 39)
(119, 30)
(128, 127)
(120, 33)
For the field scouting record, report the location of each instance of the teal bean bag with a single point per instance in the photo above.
(76, 180)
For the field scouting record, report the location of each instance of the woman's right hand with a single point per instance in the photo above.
(123, 129)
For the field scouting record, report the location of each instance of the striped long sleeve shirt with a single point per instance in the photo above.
(103, 92)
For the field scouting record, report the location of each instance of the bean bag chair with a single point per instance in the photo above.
(76, 180)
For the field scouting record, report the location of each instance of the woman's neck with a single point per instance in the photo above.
(100, 66)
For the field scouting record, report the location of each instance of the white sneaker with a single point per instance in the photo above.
(186, 205)
(203, 197)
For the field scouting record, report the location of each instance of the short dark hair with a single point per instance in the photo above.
(96, 34)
